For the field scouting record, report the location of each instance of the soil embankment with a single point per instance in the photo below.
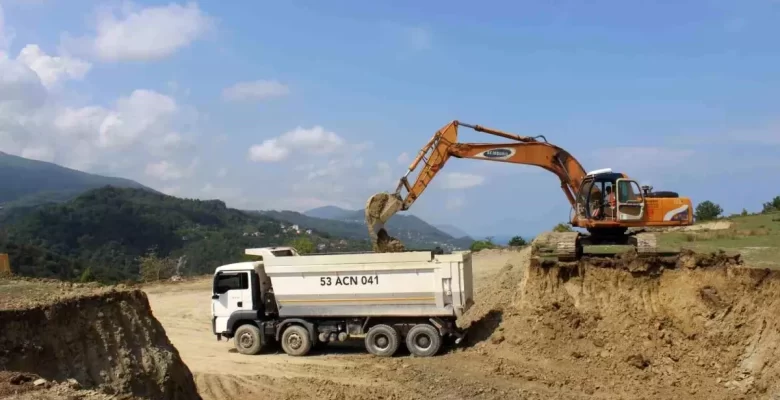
(104, 342)
(699, 327)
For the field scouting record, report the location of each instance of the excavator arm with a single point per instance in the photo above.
(444, 144)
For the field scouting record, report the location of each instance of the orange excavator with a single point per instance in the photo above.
(605, 203)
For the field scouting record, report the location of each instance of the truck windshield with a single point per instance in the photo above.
(282, 253)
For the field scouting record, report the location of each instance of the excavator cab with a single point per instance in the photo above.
(609, 196)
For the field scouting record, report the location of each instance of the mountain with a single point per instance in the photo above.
(452, 231)
(411, 230)
(30, 182)
(328, 212)
(102, 232)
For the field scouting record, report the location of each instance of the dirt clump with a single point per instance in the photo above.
(106, 340)
(379, 208)
(24, 386)
(699, 326)
(386, 243)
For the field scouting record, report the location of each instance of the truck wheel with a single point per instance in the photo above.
(423, 340)
(296, 341)
(382, 340)
(247, 339)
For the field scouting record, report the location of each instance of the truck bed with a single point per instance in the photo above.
(372, 284)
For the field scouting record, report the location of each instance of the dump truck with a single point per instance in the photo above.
(300, 301)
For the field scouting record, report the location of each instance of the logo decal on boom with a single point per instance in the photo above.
(498, 153)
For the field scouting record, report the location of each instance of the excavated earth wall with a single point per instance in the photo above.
(109, 343)
(700, 327)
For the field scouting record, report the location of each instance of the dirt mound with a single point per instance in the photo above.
(107, 341)
(700, 327)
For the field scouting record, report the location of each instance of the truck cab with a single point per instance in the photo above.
(243, 290)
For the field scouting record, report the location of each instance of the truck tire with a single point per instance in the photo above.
(296, 341)
(423, 340)
(382, 340)
(247, 339)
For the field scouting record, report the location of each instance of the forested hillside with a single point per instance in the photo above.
(102, 233)
(30, 182)
(411, 230)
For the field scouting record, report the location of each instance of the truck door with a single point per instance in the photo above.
(630, 202)
(232, 292)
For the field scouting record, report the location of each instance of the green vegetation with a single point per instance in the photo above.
(756, 237)
(478, 245)
(707, 211)
(772, 206)
(107, 235)
(303, 245)
(517, 241)
(562, 227)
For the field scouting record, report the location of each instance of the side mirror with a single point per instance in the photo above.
(214, 297)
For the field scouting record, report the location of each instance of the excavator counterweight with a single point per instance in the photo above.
(607, 204)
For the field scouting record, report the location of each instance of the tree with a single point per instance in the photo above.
(478, 245)
(303, 244)
(707, 210)
(154, 268)
(517, 241)
(562, 228)
(772, 206)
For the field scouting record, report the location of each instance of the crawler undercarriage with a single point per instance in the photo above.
(571, 246)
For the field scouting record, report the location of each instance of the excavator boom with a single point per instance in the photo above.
(444, 144)
(587, 193)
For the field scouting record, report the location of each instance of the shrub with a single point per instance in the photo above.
(707, 210)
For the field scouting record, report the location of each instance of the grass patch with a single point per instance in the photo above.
(756, 237)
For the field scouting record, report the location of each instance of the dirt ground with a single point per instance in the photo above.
(700, 332)
(696, 327)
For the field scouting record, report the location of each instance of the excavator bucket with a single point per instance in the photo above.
(379, 208)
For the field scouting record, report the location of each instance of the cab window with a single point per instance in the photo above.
(626, 192)
(225, 282)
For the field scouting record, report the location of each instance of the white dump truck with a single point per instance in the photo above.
(300, 301)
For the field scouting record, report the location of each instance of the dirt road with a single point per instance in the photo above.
(535, 333)
(221, 373)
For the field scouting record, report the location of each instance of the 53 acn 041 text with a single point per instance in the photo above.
(349, 280)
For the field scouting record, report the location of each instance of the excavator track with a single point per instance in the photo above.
(571, 246)
(560, 246)
(646, 243)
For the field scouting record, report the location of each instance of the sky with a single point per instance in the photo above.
(300, 104)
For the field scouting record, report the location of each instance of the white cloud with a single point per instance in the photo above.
(255, 90)
(316, 140)
(269, 151)
(168, 171)
(52, 69)
(458, 180)
(222, 172)
(40, 153)
(403, 159)
(150, 33)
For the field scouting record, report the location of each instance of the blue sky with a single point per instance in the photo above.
(293, 105)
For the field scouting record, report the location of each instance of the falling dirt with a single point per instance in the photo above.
(107, 341)
(387, 244)
(379, 208)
